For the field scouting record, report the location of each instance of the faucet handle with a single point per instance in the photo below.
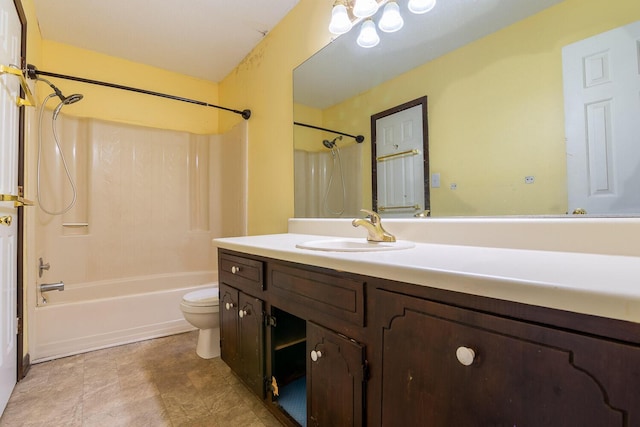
(375, 218)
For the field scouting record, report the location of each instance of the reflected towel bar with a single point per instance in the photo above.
(389, 208)
(30, 101)
(403, 153)
(33, 72)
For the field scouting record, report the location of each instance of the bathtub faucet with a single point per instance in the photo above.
(46, 287)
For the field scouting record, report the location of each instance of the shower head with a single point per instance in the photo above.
(72, 99)
(66, 100)
(331, 144)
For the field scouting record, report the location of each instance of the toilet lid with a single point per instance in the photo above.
(208, 296)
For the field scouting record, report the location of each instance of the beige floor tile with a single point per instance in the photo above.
(156, 383)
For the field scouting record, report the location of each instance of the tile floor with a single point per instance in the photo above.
(155, 383)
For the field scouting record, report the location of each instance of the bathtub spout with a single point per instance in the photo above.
(46, 287)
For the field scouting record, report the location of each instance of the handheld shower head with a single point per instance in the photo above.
(72, 99)
(66, 100)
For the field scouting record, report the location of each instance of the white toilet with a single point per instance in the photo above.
(200, 308)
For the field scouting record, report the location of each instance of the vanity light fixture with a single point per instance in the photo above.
(368, 35)
(340, 21)
(346, 13)
(365, 8)
(391, 20)
(421, 6)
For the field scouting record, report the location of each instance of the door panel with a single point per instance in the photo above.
(602, 103)
(335, 379)
(252, 342)
(10, 42)
(229, 326)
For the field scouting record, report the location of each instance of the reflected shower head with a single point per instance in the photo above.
(331, 144)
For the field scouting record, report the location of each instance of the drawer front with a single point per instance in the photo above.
(242, 273)
(321, 296)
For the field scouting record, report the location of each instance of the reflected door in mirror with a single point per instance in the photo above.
(399, 160)
(601, 84)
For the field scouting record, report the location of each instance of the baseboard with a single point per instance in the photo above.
(82, 344)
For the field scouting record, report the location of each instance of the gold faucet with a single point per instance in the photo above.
(373, 224)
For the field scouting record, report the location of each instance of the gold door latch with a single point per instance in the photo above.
(20, 102)
(17, 200)
(6, 220)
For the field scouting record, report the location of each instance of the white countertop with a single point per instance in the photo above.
(598, 284)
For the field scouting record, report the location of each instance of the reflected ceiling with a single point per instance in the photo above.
(450, 25)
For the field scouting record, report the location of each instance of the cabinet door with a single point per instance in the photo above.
(229, 326)
(515, 374)
(335, 379)
(251, 342)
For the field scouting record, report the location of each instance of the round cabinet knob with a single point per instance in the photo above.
(465, 355)
(229, 305)
(315, 355)
(235, 270)
(243, 313)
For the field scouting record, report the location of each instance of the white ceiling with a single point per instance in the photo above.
(200, 38)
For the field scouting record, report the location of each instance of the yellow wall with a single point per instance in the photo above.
(496, 99)
(124, 106)
(263, 83)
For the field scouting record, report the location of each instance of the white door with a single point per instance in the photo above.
(400, 163)
(10, 31)
(602, 119)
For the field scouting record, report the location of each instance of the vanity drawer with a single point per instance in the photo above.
(242, 273)
(321, 296)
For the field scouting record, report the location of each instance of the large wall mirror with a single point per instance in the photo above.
(500, 77)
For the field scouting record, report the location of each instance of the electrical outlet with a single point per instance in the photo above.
(529, 179)
(453, 186)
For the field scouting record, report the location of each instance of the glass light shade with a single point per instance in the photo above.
(340, 22)
(368, 35)
(365, 8)
(391, 20)
(421, 6)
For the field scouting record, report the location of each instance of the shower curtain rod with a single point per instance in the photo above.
(358, 138)
(33, 72)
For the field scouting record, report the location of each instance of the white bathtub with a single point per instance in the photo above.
(95, 315)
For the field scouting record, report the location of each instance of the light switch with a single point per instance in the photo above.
(435, 180)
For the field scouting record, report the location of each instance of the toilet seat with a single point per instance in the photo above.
(202, 298)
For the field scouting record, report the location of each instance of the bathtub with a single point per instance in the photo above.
(91, 316)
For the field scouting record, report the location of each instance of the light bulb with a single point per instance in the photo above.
(365, 8)
(340, 22)
(368, 35)
(421, 6)
(391, 20)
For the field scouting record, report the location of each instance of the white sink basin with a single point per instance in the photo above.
(353, 245)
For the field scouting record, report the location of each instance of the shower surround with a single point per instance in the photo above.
(149, 202)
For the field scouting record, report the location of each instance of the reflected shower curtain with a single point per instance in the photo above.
(314, 197)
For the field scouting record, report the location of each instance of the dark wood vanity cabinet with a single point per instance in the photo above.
(442, 365)
(242, 336)
(384, 353)
(242, 319)
(335, 378)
